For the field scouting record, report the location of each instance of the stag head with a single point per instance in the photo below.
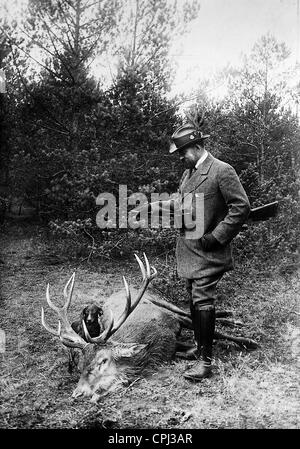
(105, 369)
(105, 365)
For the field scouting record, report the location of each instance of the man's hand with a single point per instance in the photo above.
(209, 242)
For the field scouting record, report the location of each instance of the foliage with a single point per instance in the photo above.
(145, 32)
(73, 138)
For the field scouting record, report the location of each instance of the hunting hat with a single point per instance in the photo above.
(186, 135)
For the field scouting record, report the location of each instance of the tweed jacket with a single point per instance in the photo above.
(226, 208)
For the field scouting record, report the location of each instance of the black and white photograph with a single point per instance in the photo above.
(149, 218)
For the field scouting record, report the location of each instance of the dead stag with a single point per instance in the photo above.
(144, 337)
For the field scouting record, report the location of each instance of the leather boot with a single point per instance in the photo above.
(204, 328)
(191, 353)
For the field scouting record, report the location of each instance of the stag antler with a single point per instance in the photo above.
(68, 336)
(129, 308)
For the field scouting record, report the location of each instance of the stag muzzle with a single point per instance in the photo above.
(82, 390)
(86, 391)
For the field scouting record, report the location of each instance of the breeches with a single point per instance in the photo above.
(202, 291)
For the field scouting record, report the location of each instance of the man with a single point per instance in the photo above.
(203, 261)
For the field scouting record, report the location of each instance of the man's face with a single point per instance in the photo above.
(189, 156)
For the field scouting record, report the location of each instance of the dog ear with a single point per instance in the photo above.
(83, 312)
(100, 311)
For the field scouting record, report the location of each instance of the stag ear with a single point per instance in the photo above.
(129, 349)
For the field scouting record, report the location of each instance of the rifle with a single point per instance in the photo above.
(260, 213)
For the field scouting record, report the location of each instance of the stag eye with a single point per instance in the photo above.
(104, 361)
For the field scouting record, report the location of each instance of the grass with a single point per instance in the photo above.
(257, 389)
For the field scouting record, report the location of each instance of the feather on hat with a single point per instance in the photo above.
(189, 133)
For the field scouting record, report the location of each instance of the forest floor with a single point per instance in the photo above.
(249, 389)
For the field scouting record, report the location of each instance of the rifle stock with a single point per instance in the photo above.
(262, 213)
